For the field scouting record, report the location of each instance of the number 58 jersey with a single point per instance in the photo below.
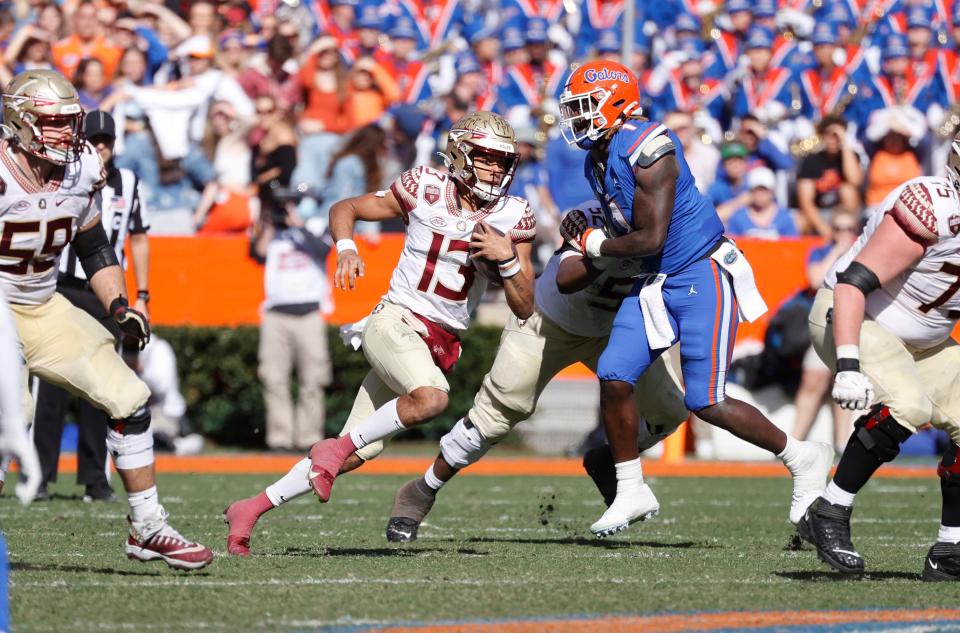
(921, 305)
(434, 277)
(36, 224)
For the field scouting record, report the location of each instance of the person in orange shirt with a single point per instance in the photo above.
(372, 90)
(86, 41)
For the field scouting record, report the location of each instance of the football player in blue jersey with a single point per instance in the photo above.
(697, 286)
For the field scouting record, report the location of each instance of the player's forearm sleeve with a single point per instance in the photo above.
(94, 250)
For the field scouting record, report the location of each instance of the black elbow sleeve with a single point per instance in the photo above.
(860, 277)
(94, 250)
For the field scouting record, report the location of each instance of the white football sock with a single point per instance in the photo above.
(381, 424)
(792, 451)
(629, 474)
(291, 485)
(838, 496)
(948, 534)
(144, 504)
(432, 480)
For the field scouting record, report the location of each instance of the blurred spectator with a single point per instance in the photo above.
(355, 170)
(816, 379)
(274, 158)
(91, 83)
(893, 161)
(729, 191)
(87, 40)
(268, 74)
(564, 165)
(325, 116)
(372, 91)
(766, 91)
(530, 183)
(762, 217)
(411, 73)
(233, 55)
(292, 329)
(829, 179)
(763, 152)
(180, 110)
(203, 19)
(410, 140)
(49, 19)
(224, 206)
(156, 365)
(29, 50)
(702, 158)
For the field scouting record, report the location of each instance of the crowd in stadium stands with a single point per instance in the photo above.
(789, 111)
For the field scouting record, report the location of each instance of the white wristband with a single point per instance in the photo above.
(511, 269)
(848, 351)
(346, 245)
(591, 246)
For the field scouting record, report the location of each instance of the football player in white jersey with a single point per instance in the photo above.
(576, 301)
(50, 181)
(883, 321)
(411, 338)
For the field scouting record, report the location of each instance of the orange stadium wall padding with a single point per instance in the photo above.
(212, 281)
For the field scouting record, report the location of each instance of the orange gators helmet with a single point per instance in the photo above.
(597, 98)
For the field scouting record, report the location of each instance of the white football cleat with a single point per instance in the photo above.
(810, 472)
(636, 504)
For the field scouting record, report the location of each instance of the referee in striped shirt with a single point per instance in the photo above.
(122, 213)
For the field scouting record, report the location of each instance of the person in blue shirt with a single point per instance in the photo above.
(762, 217)
(695, 288)
(729, 191)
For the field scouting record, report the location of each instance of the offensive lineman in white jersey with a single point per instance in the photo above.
(411, 338)
(50, 181)
(576, 301)
(883, 320)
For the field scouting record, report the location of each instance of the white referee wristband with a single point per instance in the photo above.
(848, 351)
(346, 245)
(591, 245)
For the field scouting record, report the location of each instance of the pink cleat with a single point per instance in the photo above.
(327, 457)
(242, 516)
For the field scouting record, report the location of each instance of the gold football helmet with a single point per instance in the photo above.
(487, 134)
(38, 97)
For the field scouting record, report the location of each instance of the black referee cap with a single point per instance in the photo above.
(99, 123)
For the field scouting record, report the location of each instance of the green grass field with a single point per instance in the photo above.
(492, 548)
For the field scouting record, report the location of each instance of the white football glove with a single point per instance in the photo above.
(19, 446)
(852, 390)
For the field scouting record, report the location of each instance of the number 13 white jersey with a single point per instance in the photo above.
(35, 225)
(434, 277)
(921, 305)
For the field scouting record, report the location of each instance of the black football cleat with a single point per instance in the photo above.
(402, 529)
(411, 504)
(827, 526)
(942, 563)
(598, 462)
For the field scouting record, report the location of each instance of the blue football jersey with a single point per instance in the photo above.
(694, 226)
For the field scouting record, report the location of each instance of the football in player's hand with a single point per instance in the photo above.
(488, 269)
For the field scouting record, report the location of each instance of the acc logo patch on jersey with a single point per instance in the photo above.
(438, 221)
(954, 224)
(431, 194)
